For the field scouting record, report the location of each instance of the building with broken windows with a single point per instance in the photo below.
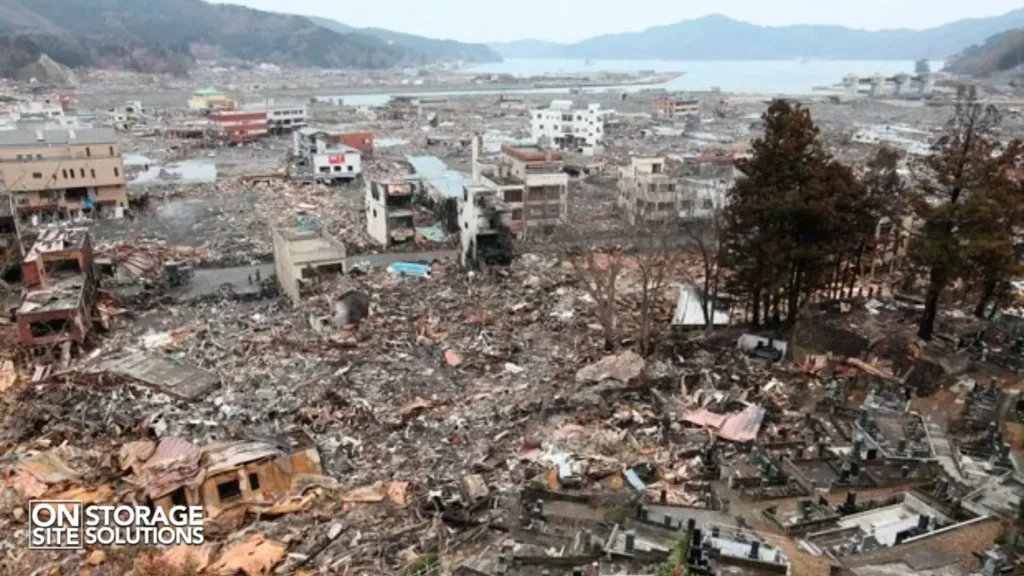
(484, 233)
(240, 126)
(63, 174)
(675, 107)
(649, 189)
(11, 248)
(60, 289)
(389, 210)
(531, 181)
(304, 255)
(281, 116)
(324, 155)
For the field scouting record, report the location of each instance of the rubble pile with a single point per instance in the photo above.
(351, 392)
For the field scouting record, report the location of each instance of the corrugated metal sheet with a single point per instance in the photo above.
(740, 426)
(168, 376)
(221, 457)
(690, 309)
(446, 182)
(47, 468)
(171, 451)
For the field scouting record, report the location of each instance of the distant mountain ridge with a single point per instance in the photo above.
(168, 35)
(717, 37)
(1000, 53)
(430, 48)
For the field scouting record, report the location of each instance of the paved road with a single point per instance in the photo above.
(208, 281)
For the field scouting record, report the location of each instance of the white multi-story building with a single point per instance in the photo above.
(282, 116)
(328, 160)
(337, 163)
(558, 125)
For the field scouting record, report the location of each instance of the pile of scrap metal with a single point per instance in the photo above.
(130, 262)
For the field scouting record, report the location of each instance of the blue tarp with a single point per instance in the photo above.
(410, 269)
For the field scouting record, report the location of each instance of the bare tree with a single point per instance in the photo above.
(655, 244)
(704, 235)
(598, 271)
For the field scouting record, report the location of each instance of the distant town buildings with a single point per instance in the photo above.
(64, 174)
(240, 126)
(560, 126)
(281, 116)
(209, 99)
(674, 107)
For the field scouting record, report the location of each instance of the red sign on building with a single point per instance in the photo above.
(336, 159)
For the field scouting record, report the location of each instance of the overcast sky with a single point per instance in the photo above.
(573, 20)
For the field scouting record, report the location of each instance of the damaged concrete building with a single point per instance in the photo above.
(705, 185)
(531, 181)
(64, 174)
(240, 126)
(389, 210)
(208, 99)
(322, 155)
(281, 117)
(484, 233)
(649, 189)
(302, 255)
(676, 107)
(11, 248)
(60, 289)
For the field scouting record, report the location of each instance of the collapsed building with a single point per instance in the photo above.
(219, 477)
(60, 289)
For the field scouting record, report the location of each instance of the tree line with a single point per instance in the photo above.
(800, 223)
